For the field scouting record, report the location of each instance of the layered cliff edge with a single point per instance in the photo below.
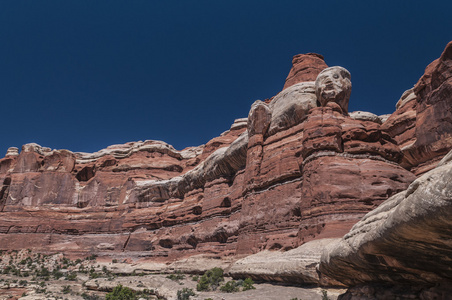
(280, 184)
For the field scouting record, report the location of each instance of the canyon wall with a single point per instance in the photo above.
(402, 249)
(293, 172)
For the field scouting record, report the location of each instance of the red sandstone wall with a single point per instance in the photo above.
(312, 180)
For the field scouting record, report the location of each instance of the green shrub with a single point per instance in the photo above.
(185, 294)
(176, 277)
(86, 296)
(66, 261)
(57, 274)
(23, 283)
(91, 257)
(44, 272)
(325, 295)
(210, 280)
(66, 289)
(71, 276)
(248, 284)
(94, 275)
(121, 293)
(230, 287)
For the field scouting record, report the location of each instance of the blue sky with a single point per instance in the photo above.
(83, 75)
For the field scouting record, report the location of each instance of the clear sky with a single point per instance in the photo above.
(83, 75)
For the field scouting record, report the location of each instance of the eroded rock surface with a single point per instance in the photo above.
(298, 171)
(422, 122)
(299, 265)
(305, 67)
(405, 241)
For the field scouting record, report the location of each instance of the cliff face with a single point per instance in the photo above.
(421, 124)
(402, 249)
(290, 173)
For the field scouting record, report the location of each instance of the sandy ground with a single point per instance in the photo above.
(161, 285)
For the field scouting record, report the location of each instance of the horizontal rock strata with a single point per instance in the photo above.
(290, 177)
(405, 241)
(422, 123)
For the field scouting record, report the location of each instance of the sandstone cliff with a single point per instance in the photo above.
(297, 170)
(402, 248)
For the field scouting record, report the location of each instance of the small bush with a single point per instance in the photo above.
(23, 283)
(185, 294)
(86, 296)
(325, 295)
(248, 284)
(44, 272)
(176, 277)
(66, 289)
(94, 275)
(71, 276)
(230, 287)
(91, 257)
(57, 274)
(210, 280)
(121, 293)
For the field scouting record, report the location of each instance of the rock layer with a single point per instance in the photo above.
(405, 241)
(148, 199)
(305, 67)
(291, 174)
(422, 123)
(402, 248)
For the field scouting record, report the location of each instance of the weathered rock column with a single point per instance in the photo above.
(258, 122)
(349, 166)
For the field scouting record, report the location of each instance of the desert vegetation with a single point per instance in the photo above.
(30, 276)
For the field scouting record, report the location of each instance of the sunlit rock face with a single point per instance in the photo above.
(298, 169)
(305, 67)
(405, 241)
(402, 250)
(422, 122)
(333, 85)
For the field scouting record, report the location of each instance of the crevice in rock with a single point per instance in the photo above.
(126, 243)
(226, 202)
(197, 210)
(4, 192)
(192, 241)
(166, 243)
(86, 173)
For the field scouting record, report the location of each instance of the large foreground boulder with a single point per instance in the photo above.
(405, 241)
(299, 265)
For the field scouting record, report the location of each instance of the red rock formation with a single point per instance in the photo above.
(422, 123)
(305, 67)
(401, 249)
(291, 173)
(401, 125)
(404, 242)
